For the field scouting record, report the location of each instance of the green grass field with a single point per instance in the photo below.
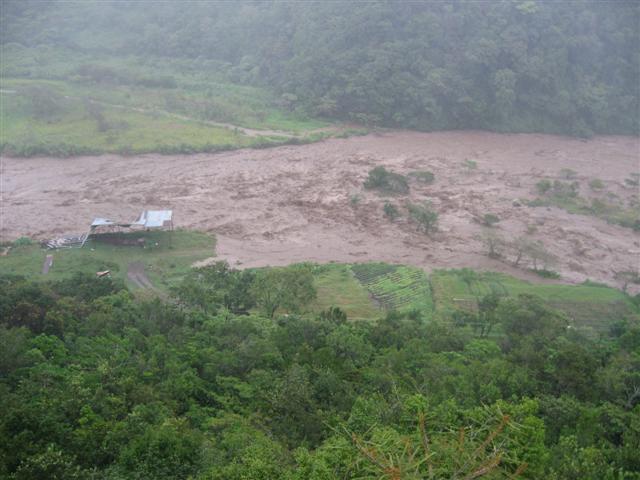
(589, 306)
(337, 286)
(363, 291)
(50, 103)
(164, 264)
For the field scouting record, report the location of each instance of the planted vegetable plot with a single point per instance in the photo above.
(395, 287)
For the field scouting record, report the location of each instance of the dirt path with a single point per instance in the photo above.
(47, 264)
(250, 132)
(294, 203)
(137, 276)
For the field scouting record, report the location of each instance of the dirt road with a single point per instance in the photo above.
(296, 203)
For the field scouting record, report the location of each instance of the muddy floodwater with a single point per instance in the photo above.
(307, 203)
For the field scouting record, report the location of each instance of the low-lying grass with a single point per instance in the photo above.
(132, 132)
(167, 257)
(337, 287)
(49, 107)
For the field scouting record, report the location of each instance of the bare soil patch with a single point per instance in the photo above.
(294, 203)
(48, 263)
(137, 275)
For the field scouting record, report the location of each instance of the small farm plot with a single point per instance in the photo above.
(395, 287)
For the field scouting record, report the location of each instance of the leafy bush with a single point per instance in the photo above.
(565, 190)
(424, 215)
(543, 186)
(390, 211)
(568, 173)
(381, 179)
(596, 184)
(490, 219)
(23, 241)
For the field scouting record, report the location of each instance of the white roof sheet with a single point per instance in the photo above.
(155, 218)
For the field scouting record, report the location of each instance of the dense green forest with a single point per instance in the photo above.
(232, 378)
(513, 66)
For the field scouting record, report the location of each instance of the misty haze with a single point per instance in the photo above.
(317, 240)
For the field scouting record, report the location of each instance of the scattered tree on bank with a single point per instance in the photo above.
(424, 216)
(494, 243)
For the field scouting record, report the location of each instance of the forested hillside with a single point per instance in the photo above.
(521, 66)
(216, 383)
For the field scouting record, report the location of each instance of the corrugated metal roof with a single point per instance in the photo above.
(155, 218)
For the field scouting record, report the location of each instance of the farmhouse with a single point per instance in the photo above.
(111, 231)
(148, 220)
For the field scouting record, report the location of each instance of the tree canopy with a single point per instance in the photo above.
(557, 67)
(96, 383)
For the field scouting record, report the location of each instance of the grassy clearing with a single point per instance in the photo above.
(337, 286)
(590, 306)
(148, 105)
(130, 132)
(395, 287)
(165, 264)
(361, 290)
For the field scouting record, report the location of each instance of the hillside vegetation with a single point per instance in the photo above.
(555, 67)
(59, 102)
(364, 291)
(211, 384)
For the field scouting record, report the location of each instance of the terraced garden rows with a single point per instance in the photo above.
(395, 287)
